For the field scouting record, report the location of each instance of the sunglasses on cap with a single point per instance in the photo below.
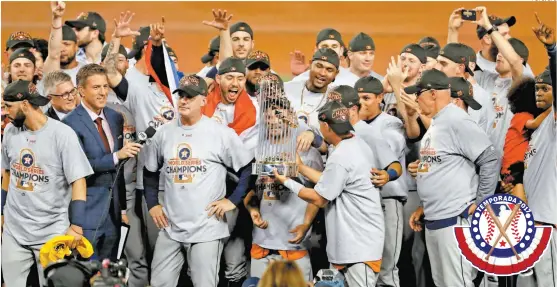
(260, 66)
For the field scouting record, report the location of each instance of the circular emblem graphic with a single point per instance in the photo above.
(184, 153)
(502, 238)
(168, 114)
(27, 160)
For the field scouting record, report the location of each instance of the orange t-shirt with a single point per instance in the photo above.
(515, 143)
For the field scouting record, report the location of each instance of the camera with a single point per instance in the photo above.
(73, 272)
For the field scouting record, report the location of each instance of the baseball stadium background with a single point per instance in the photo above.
(281, 27)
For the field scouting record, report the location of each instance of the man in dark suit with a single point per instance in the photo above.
(59, 88)
(100, 131)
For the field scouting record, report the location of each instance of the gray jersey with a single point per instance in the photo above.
(130, 167)
(194, 162)
(488, 66)
(73, 72)
(540, 175)
(149, 107)
(305, 102)
(353, 217)
(383, 156)
(485, 116)
(43, 164)
(447, 179)
(344, 77)
(497, 88)
(392, 130)
(283, 209)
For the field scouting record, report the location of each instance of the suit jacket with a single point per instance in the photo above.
(102, 162)
(52, 114)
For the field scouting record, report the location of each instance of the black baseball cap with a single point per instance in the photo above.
(241, 26)
(495, 21)
(431, 80)
(520, 48)
(345, 95)
(369, 84)
(257, 56)
(22, 53)
(93, 20)
(415, 50)
(139, 41)
(544, 78)
(19, 39)
(458, 53)
(273, 80)
(121, 50)
(68, 34)
(192, 86)
(460, 88)
(231, 65)
(361, 42)
(431, 46)
(214, 47)
(336, 115)
(21, 90)
(329, 34)
(328, 55)
(171, 52)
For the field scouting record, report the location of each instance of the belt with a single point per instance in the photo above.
(447, 222)
(401, 199)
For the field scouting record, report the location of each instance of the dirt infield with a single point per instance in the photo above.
(281, 27)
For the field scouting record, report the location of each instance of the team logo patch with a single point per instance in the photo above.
(368, 47)
(233, 69)
(189, 80)
(258, 55)
(502, 239)
(242, 28)
(340, 114)
(331, 36)
(334, 96)
(19, 95)
(20, 36)
(408, 50)
(324, 58)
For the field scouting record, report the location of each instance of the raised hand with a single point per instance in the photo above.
(298, 62)
(157, 31)
(545, 34)
(395, 73)
(221, 21)
(123, 25)
(455, 20)
(482, 18)
(57, 8)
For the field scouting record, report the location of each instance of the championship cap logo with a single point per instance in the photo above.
(324, 58)
(539, 80)
(189, 81)
(331, 36)
(408, 50)
(32, 88)
(340, 114)
(502, 238)
(334, 96)
(20, 36)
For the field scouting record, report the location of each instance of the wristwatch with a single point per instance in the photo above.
(493, 28)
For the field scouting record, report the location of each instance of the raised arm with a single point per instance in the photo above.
(221, 22)
(455, 22)
(121, 30)
(546, 35)
(52, 62)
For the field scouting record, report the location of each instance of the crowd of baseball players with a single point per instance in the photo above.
(388, 161)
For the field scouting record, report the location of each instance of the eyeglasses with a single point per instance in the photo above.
(421, 92)
(66, 95)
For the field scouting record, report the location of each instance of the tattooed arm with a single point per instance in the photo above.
(52, 62)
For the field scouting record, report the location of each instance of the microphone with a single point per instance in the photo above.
(142, 137)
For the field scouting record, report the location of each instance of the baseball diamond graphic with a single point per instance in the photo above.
(502, 238)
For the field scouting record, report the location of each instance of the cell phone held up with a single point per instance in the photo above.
(468, 15)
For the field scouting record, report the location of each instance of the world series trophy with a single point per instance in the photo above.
(277, 130)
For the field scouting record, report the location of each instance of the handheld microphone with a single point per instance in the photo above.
(142, 137)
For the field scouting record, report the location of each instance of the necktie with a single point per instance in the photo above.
(98, 121)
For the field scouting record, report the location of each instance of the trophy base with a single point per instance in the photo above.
(286, 169)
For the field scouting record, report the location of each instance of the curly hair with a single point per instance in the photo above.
(522, 99)
(42, 47)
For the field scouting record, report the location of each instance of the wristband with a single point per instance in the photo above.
(4, 197)
(77, 212)
(393, 175)
(493, 29)
(295, 187)
(56, 28)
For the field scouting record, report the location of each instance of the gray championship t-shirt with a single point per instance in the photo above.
(354, 220)
(485, 116)
(305, 103)
(283, 209)
(447, 179)
(392, 130)
(383, 156)
(540, 174)
(488, 66)
(43, 164)
(194, 160)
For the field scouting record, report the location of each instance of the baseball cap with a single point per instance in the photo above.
(22, 53)
(68, 34)
(329, 278)
(257, 56)
(544, 78)
(344, 94)
(251, 282)
(369, 84)
(336, 115)
(273, 80)
(214, 47)
(19, 39)
(460, 88)
(192, 86)
(495, 21)
(431, 80)
(431, 46)
(458, 53)
(21, 90)
(328, 55)
(241, 26)
(328, 34)
(520, 48)
(232, 65)
(415, 50)
(361, 42)
(140, 41)
(121, 50)
(92, 20)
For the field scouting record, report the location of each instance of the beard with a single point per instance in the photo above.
(83, 44)
(493, 51)
(19, 119)
(67, 62)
